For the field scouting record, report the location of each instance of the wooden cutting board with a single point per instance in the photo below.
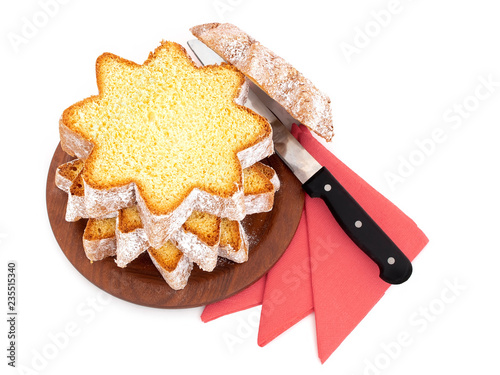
(140, 282)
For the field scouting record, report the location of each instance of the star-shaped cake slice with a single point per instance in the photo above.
(168, 135)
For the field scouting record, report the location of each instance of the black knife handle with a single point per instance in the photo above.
(395, 267)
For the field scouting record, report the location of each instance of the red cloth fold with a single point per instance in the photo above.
(247, 298)
(288, 293)
(323, 270)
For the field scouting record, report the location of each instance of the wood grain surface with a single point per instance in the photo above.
(140, 282)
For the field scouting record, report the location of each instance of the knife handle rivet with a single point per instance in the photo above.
(391, 260)
(328, 187)
(358, 224)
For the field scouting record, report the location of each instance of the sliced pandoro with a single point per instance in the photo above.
(259, 195)
(198, 239)
(103, 237)
(257, 181)
(100, 240)
(121, 235)
(199, 236)
(202, 237)
(233, 244)
(273, 74)
(167, 135)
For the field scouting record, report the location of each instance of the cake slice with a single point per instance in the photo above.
(259, 184)
(166, 135)
(100, 241)
(199, 236)
(274, 75)
(202, 235)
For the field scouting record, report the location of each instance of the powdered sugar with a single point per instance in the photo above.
(129, 245)
(73, 143)
(100, 249)
(178, 278)
(204, 255)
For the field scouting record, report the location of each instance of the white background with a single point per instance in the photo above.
(425, 60)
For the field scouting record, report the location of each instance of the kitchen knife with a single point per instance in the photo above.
(317, 181)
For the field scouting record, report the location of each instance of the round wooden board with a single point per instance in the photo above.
(140, 282)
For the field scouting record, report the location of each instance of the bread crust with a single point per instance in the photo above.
(238, 254)
(131, 239)
(177, 278)
(274, 75)
(198, 251)
(73, 143)
(263, 202)
(130, 242)
(66, 174)
(176, 275)
(98, 247)
(96, 250)
(76, 208)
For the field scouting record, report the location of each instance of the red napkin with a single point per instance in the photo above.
(323, 270)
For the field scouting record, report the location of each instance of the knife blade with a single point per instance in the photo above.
(318, 182)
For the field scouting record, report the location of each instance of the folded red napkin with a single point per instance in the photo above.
(323, 270)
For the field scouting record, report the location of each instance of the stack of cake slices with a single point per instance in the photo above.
(201, 240)
(167, 162)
